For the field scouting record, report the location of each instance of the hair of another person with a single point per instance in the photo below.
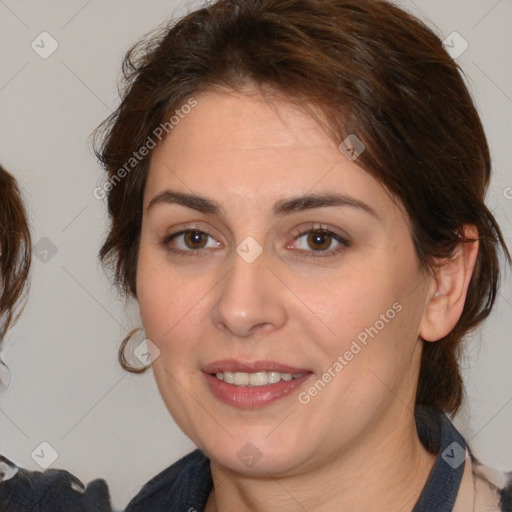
(15, 251)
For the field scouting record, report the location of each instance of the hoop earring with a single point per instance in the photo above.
(121, 356)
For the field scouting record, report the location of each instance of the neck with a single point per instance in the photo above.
(386, 470)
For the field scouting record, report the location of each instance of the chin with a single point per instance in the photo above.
(255, 456)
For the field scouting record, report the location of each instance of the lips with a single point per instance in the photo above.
(255, 384)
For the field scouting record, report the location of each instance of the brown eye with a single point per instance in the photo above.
(190, 242)
(195, 239)
(319, 240)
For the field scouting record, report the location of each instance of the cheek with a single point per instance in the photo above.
(160, 303)
(350, 300)
(150, 294)
(159, 295)
(170, 305)
(370, 314)
(163, 305)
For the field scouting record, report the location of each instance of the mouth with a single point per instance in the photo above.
(253, 385)
(255, 379)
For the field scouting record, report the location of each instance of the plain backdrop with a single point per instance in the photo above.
(66, 387)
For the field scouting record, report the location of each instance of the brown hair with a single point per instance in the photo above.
(15, 250)
(372, 70)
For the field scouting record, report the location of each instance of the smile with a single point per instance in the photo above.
(255, 379)
(252, 385)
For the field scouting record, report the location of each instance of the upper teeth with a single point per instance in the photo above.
(255, 379)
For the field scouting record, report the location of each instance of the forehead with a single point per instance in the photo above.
(255, 149)
(254, 120)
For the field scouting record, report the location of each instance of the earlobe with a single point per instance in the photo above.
(449, 287)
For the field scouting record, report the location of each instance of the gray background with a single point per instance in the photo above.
(66, 387)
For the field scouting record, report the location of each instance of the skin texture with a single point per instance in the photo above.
(356, 439)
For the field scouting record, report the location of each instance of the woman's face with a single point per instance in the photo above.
(266, 252)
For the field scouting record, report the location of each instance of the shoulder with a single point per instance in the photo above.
(458, 481)
(184, 485)
(51, 490)
(506, 495)
(491, 484)
(482, 488)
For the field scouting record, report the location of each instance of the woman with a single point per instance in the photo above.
(296, 190)
(22, 490)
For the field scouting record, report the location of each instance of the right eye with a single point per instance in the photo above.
(189, 242)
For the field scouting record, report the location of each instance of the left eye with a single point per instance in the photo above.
(319, 240)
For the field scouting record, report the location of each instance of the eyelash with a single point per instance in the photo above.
(308, 254)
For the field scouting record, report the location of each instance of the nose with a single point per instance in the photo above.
(249, 300)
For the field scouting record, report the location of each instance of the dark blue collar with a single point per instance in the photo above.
(184, 486)
(439, 436)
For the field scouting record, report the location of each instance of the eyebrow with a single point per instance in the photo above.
(280, 208)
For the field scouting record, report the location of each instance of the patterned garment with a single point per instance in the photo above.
(457, 482)
(53, 490)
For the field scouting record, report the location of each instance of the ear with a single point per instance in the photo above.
(448, 290)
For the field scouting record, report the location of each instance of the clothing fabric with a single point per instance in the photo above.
(457, 482)
(53, 490)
